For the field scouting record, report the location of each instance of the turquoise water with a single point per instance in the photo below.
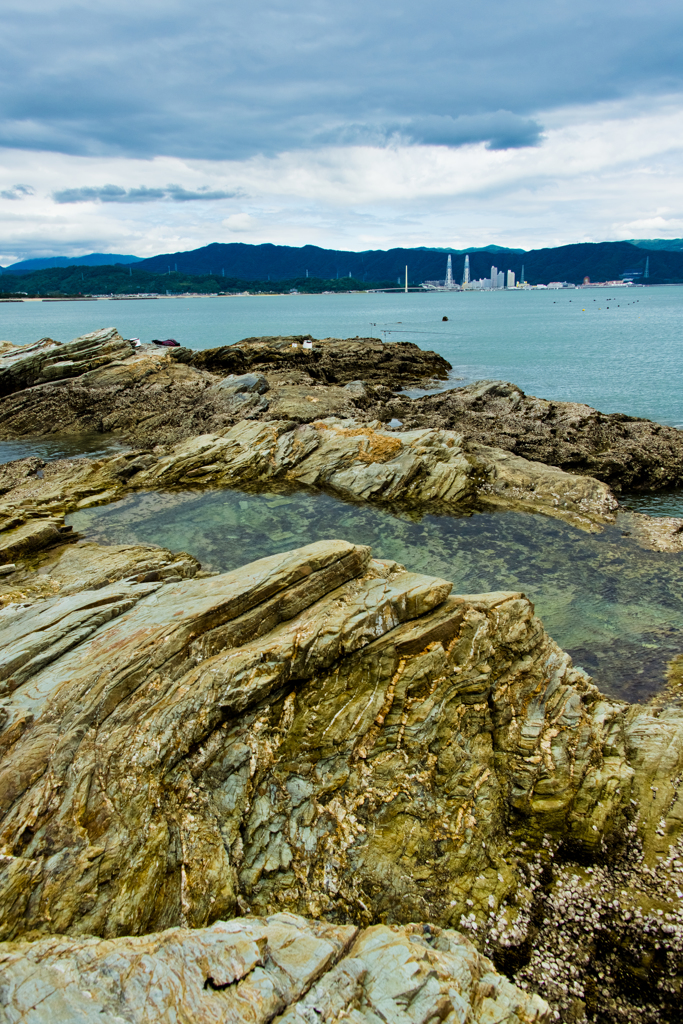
(623, 354)
(617, 609)
(61, 446)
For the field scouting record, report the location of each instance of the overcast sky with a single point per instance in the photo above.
(146, 127)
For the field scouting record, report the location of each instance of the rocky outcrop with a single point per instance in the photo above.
(64, 569)
(419, 468)
(626, 452)
(251, 969)
(329, 735)
(47, 360)
(327, 361)
(99, 383)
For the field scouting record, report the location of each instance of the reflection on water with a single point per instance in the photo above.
(617, 609)
(61, 446)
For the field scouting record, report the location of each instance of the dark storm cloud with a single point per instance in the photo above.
(221, 80)
(17, 192)
(116, 194)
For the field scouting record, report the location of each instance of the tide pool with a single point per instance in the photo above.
(618, 610)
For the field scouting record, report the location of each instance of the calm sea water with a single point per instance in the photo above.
(618, 350)
(617, 609)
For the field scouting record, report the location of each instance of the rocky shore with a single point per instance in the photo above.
(321, 786)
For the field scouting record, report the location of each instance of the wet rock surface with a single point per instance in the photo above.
(364, 462)
(329, 735)
(625, 452)
(252, 969)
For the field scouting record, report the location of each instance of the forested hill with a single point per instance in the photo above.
(601, 261)
(278, 268)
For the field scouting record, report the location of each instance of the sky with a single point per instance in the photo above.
(146, 127)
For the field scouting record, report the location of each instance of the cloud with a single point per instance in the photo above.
(229, 81)
(500, 129)
(143, 194)
(240, 222)
(17, 192)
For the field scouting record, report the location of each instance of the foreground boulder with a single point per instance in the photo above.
(250, 969)
(328, 735)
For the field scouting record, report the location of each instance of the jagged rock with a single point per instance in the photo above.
(158, 395)
(415, 467)
(655, 533)
(14, 473)
(32, 536)
(316, 732)
(48, 360)
(69, 569)
(330, 360)
(245, 383)
(624, 451)
(250, 969)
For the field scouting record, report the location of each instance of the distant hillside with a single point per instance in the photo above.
(93, 259)
(601, 261)
(55, 282)
(278, 268)
(668, 244)
(461, 252)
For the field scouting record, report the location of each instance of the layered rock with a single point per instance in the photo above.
(47, 360)
(249, 970)
(626, 452)
(318, 733)
(420, 468)
(99, 383)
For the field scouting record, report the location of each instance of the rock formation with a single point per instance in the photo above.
(324, 742)
(626, 452)
(99, 383)
(323, 734)
(251, 969)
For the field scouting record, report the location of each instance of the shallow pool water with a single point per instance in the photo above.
(617, 609)
(61, 446)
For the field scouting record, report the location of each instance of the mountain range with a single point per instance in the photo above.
(237, 265)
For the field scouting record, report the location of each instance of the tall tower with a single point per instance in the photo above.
(449, 274)
(494, 277)
(647, 267)
(466, 273)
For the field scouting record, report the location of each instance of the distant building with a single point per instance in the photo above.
(511, 279)
(500, 280)
(494, 277)
(449, 274)
(466, 273)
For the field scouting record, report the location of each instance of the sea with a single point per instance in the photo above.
(616, 608)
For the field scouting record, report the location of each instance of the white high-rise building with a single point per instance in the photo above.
(500, 279)
(494, 277)
(511, 279)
